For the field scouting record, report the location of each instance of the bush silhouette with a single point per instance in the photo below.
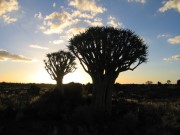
(34, 90)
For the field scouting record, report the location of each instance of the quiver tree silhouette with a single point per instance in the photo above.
(58, 64)
(104, 52)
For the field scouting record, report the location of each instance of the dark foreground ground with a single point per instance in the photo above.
(35, 109)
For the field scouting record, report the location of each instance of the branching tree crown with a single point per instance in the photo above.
(59, 64)
(108, 50)
(104, 52)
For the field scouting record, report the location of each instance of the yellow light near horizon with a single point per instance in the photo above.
(77, 77)
(43, 77)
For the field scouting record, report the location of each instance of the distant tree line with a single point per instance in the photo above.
(159, 83)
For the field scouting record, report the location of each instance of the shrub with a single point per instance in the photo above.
(73, 93)
(34, 90)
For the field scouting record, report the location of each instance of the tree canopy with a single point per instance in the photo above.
(104, 52)
(59, 64)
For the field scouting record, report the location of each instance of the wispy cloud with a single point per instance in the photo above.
(38, 15)
(173, 58)
(174, 40)
(170, 4)
(38, 47)
(139, 1)
(57, 42)
(74, 31)
(7, 7)
(95, 22)
(54, 4)
(57, 28)
(87, 5)
(8, 19)
(5, 55)
(112, 21)
(163, 36)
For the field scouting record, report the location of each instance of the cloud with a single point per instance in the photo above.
(56, 22)
(112, 21)
(95, 22)
(38, 15)
(54, 4)
(74, 31)
(57, 15)
(7, 7)
(38, 47)
(170, 4)
(174, 40)
(57, 28)
(66, 21)
(65, 15)
(173, 58)
(139, 1)
(56, 42)
(4, 55)
(163, 36)
(87, 5)
(8, 19)
(84, 12)
(80, 14)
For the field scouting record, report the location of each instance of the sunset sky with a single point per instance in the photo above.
(29, 29)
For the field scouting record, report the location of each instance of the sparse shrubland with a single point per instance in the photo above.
(136, 110)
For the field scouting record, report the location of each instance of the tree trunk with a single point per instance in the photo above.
(59, 86)
(103, 95)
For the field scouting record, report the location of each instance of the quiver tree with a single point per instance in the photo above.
(104, 52)
(58, 64)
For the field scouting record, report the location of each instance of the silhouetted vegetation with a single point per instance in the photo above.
(178, 82)
(136, 109)
(58, 64)
(104, 52)
(149, 82)
(168, 81)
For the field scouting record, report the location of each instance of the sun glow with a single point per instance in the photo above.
(43, 77)
(77, 77)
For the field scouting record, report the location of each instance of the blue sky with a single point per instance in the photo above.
(29, 29)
